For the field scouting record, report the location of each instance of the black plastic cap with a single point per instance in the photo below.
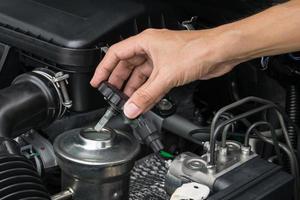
(113, 95)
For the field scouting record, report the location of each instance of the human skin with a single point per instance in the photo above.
(150, 64)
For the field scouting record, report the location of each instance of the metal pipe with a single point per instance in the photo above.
(64, 195)
(268, 105)
(223, 124)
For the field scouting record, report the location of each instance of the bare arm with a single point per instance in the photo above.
(155, 61)
(274, 31)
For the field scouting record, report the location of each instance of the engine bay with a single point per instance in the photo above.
(233, 137)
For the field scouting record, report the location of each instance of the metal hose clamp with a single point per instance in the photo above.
(60, 82)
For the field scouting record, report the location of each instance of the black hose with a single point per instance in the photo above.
(18, 178)
(31, 101)
(293, 111)
(186, 129)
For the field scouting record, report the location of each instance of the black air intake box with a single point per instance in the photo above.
(66, 36)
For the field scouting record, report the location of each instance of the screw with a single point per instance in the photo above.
(165, 105)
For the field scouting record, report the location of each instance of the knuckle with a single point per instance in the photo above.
(145, 97)
(140, 72)
(149, 32)
(119, 77)
(105, 69)
(131, 87)
(112, 49)
(141, 76)
(108, 54)
(129, 91)
(167, 79)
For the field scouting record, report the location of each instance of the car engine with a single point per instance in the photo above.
(234, 137)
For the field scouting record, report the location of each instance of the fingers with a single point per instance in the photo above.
(146, 96)
(138, 77)
(121, 51)
(120, 74)
(124, 69)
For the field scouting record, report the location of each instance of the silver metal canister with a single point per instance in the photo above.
(96, 165)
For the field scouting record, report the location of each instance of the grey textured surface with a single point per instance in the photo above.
(148, 179)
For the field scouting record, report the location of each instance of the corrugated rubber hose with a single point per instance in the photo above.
(293, 111)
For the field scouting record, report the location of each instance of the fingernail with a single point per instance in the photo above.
(93, 82)
(131, 110)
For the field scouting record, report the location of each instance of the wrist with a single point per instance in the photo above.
(217, 45)
(230, 44)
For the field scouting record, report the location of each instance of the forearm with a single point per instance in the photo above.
(274, 31)
(151, 63)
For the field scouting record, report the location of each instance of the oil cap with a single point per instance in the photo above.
(112, 95)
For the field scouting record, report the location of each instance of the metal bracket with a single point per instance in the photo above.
(4, 55)
(264, 63)
(188, 24)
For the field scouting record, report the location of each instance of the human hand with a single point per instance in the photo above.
(149, 64)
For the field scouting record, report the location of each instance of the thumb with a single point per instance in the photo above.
(145, 97)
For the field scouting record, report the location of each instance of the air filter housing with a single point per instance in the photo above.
(65, 36)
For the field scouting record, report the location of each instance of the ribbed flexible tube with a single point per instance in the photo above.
(19, 180)
(293, 111)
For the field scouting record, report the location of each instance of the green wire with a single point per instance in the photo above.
(165, 154)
